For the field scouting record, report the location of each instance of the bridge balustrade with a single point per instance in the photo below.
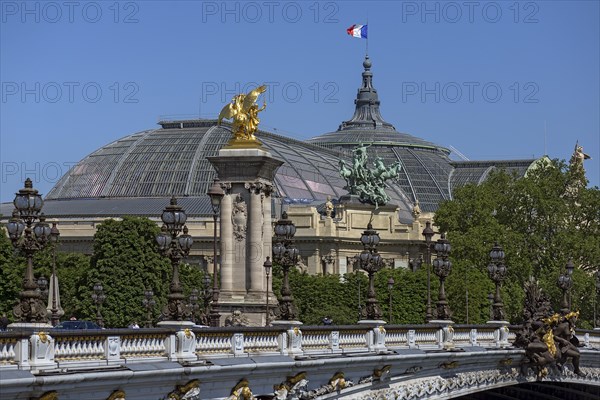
(123, 345)
(470, 357)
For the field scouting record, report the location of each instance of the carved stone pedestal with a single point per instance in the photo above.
(246, 176)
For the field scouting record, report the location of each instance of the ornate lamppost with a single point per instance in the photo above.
(28, 205)
(268, 265)
(371, 262)
(43, 287)
(442, 267)
(390, 285)
(54, 311)
(565, 282)
(174, 246)
(216, 195)
(98, 297)
(193, 304)
(206, 297)
(285, 254)
(428, 233)
(497, 273)
(148, 302)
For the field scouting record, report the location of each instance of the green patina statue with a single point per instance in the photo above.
(368, 184)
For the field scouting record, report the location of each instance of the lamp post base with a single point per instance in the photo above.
(372, 322)
(29, 326)
(499, 323)
(176, 324)
(285, 323)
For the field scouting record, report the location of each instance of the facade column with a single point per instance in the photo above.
(267, 230)
(254, 241)
(226, 244)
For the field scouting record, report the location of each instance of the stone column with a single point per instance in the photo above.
(226, 246)
(255, 241)
(245, 228)
(267, 230)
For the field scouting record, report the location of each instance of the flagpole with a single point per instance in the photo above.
(367, 50)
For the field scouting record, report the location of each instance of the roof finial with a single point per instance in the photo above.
(366, 113)
(367, 63)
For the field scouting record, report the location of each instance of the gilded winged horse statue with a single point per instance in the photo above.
(244, 112)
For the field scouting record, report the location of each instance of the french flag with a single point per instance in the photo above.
(358, 31)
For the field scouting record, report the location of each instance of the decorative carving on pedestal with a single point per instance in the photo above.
(239, 217)
(186, 345)
(113, 348)
(42, 350)
(189, 391)
(296, 387)
(379, 375)
(292, 387)
(241, 391)
(237, 318)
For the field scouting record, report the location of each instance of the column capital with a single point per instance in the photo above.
(263, 188)
(225, 187)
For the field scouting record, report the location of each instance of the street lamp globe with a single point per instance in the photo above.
(185, 241)
(173, 216)
(15, 226)
(216, 194)
(163, 239)
(570, 267)
(41, 230)
(285, 228)
(28, 201)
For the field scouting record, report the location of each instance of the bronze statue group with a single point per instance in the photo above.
(548, 338)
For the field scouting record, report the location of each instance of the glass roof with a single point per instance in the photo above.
(172, 160)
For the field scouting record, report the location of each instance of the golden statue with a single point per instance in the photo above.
(244, 112)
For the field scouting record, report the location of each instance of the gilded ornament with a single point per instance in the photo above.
(243, 110)
(241, 391)
(116, 395)
(43, 337)
(53, 395)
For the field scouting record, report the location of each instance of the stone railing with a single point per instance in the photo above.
(55, 349)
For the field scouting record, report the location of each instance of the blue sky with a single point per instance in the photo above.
(487, 77)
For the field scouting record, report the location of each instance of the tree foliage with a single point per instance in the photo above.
(539, 220)
(126, 262)
(70, 268)
(11, 275)
(318, 296)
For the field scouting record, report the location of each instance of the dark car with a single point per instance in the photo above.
(77, 325)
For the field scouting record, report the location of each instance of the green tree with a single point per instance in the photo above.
(11, 274)
(318, 296)
(539, 220)
(125, 262)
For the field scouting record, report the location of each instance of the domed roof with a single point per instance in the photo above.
(172, 160)
(425, 165)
